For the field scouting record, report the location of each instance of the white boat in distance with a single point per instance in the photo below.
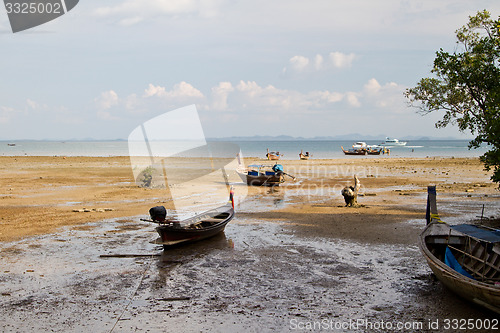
(363, 145)
(393, 142)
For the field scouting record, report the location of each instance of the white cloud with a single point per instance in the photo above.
(335, 60)
(131, 102)
(220, 94)
(341, 60)
(249, 87)
(251, 96)
(152, 90)
(35, 106)
(184, 89)
(372, 87)
(131, 12)
(299, 63)
(318, 62)
(244, 96)
(107, 100)
(326, 96)
(180, 90)
(104, 103)
(260, 98)
(153, 98)
(32, 104)
(235, 102)
(227, 97)
(388, 96)
(352, 99)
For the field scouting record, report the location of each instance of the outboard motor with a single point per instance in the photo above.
(158, 213)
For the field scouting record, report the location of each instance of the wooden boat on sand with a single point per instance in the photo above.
(464, 257)
(305, 156)
(201, 226)
(262, 175)
(273, 156)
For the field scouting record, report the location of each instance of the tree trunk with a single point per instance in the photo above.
(350, 193)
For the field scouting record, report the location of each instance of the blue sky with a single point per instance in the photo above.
(283, 67)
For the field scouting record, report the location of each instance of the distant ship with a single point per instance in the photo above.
(393, 142)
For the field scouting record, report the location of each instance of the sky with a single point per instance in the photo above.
(275, 67)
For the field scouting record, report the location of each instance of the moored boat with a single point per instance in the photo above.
(201, 226)
(393, 142)
(305, 156)
(273, 156)
(262, 175)
(359, 145)
(354, 151)
(465, 257)
(364, 145)
(374, 151)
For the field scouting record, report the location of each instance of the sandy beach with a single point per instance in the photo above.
(43, 198)
(40, 194)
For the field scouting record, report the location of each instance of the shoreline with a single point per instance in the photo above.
(324, 149)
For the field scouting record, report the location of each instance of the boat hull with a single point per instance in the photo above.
(262, 180)
(272, 157)
(353, 151)
(303, 156)
(481, 293)
(200, 227)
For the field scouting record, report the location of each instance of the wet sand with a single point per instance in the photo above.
(291, 257)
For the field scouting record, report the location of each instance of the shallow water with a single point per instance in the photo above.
(320, 149)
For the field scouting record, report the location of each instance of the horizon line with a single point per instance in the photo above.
(256, 138)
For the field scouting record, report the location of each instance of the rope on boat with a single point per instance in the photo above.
(133, 294)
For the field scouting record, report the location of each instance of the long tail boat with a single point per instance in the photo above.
(201, 226)
(464, 257)
(273, 156)
(262, 175)
(354, 151)
(303, 156)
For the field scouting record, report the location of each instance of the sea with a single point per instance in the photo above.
(327, 149)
